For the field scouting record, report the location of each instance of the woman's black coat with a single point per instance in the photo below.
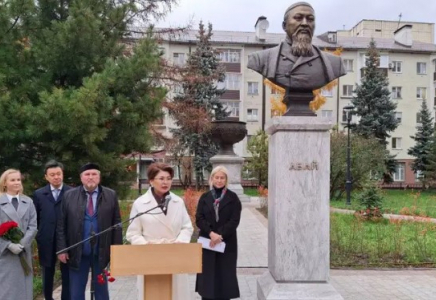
(218, 279)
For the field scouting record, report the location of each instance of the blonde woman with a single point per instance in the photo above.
(217, 217)
(14, 206)
(166, 225)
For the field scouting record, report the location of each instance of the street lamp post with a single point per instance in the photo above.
(349, 110)
(139, 176)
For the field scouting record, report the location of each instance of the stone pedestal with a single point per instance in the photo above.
(233, 163)
(297, 103)
(298, 211)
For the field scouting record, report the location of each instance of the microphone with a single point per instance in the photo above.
(165, 204)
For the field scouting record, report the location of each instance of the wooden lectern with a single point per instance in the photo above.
(157, 262)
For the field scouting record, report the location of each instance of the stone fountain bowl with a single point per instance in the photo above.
(227, 133)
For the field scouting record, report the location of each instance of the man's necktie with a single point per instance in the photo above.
(56, 194)
(15, 202)
(90, 205)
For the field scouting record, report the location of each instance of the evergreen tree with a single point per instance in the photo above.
(423, 139)
(67, 90)
(372, 101)
(199, 103)
(429, 173)
(374, 106)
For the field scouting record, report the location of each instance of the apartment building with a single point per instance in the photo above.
(422, 32)
(408, 56)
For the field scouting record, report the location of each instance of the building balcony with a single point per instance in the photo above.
(231, 95)
(232, 67)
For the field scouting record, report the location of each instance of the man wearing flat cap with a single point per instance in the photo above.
(296, 64)
(86, 210)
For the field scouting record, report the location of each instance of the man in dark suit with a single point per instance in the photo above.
(88, 209)
(47, 201)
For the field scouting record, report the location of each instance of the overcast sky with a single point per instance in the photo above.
(241, 15)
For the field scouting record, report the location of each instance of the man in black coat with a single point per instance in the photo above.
(87, 209)
(47, 201)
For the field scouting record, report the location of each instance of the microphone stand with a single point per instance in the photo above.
(92, 239)
(93, 242)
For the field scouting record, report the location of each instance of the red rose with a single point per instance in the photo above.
(100, 279)
(111, 279)
(6, 226)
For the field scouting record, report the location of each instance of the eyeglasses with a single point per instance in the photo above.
(164, 179)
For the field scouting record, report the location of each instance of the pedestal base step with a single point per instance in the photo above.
(269, 289)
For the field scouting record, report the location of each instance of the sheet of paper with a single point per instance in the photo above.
(206, 245)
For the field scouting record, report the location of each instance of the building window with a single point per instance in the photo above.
(274, 91)
(421, 93)
(399, 172)
(176, 170)
(162, 51)
(230, 56)
(396, 92)
(179, 59)
(383, 61)
(232, 107)
(418, 118)
(419, 175)
(421, 68)
(327, 93)
(396, 143)
(142, 169)
(253, 88)
(252, 115)
(397, 66)
(399, 116)
(178, 89)
(347, 91)
(327, 114)
(348, 65)
(344, 116)
(231, 82)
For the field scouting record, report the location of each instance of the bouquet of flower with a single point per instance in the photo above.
(11, 232)
(105, 275)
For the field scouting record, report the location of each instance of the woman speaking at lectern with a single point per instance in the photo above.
(169, 223)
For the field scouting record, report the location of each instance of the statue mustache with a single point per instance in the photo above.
(300, 29)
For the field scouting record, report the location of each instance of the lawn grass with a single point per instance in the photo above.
(385, 243)
(407, 202)
(252, 192)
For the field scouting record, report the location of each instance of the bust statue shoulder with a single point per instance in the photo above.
(264, 61)
(336, 64)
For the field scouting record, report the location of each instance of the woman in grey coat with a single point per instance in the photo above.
(14, 206)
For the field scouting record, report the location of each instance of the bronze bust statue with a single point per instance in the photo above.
(295, 64)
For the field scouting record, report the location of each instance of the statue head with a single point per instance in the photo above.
(299, 25)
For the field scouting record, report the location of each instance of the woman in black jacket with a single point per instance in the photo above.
(218, 215)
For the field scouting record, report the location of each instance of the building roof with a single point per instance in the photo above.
(394, 21)
(272, 39)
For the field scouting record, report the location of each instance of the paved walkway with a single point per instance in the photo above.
(351, 284)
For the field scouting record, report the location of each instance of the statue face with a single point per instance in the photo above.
(300, 21)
